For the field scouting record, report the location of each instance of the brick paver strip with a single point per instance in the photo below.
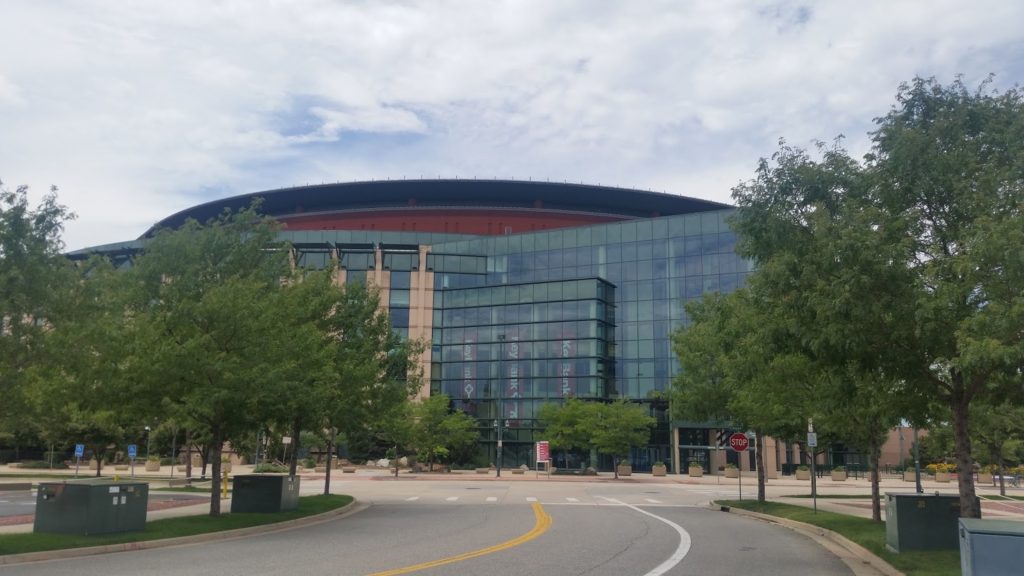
(151, 507)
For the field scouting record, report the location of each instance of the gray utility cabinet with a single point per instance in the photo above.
(91, 506)
(921, 521)
(991, 547)
(264, 493)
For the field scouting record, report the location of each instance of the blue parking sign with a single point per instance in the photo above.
(132, 450)
(79, 450)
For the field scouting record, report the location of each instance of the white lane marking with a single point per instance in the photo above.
(412, 498)
(653, 501)
(684, 540)
(492, 498)
(573, 499)
(452, 498)
(531, 499)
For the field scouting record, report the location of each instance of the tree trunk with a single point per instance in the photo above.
(330, 452)
(615, 466)
(759, 462)
(214, 451)
(188, 454)
(99, 460)
(293, 463)
(396, 460)
(1002, 479)
(969, 506)
(876, 499)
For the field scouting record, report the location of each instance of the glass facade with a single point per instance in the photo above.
(652, 266)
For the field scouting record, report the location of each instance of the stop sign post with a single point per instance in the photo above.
(739, 443)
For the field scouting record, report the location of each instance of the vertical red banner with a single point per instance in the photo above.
(468, 368)
(566, 381)
(513, 386)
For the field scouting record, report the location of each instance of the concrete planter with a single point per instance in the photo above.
(625, 470)
(732, 472)
(152, 465)
(838, 476)
(909, 476)
(985, 478)
(695, 472)
(660, 471)
(803, 474)
(942, 477)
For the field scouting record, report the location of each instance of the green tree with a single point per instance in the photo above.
(32, 274)
(208, 294)
(566, 426)
(904, 266)
(439, 430)
(617, 427)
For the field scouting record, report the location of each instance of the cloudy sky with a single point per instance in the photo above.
(139, 109)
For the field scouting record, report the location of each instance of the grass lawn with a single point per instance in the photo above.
(868, 534)
(834, 496)
(193, 489)
(169, 527)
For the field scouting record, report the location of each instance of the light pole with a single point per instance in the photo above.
(148, 435)
(501, 403)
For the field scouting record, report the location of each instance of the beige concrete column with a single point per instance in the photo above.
(675, 451)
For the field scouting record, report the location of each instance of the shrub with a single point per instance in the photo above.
(662, 464)
(732, 466)
(308, 463)
(802, 468)
(42, 465)
(695, 464)
(269, 468)
(839, 469)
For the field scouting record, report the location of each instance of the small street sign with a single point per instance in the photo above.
(133, 451)
(79, 450)
(739, 442)
(543, 451)
(812, 439)
(722, 438)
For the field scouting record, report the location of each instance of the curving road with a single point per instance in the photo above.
(495, 528)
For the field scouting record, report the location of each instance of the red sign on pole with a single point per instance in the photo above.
(543, 453)
(739, 442)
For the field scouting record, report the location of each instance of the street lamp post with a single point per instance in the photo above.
(501, 404)
(148, 436)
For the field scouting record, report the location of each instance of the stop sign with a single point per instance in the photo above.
(739, 442)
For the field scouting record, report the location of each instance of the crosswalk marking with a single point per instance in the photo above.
(653, 501)
(492, 498)
(412, 498)
(573, 499)
(452, 498)
(531, 499)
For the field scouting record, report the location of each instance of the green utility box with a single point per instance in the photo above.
(991, 547)
(91, 506)
(921, 521)
(264, 493)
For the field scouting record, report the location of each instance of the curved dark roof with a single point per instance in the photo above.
(455, 193)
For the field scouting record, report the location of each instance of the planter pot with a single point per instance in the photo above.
(152, 465)
(625, 470)
(660, 471)
(732, 472)
(985, 478)
(839, 476)
(803, 474)
(695, 471)
(942, 477)
(320, 469)
(909, 476)
(119, 467)
(225, 467)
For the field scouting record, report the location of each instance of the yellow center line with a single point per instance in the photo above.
(541, 526)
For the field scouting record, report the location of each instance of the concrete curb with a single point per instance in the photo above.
(350, 508)
(858, 553)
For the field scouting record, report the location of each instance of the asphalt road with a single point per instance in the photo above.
(595, 529)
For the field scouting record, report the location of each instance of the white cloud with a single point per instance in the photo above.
(140, 110)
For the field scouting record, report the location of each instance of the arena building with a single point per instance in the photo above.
(528, 292)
